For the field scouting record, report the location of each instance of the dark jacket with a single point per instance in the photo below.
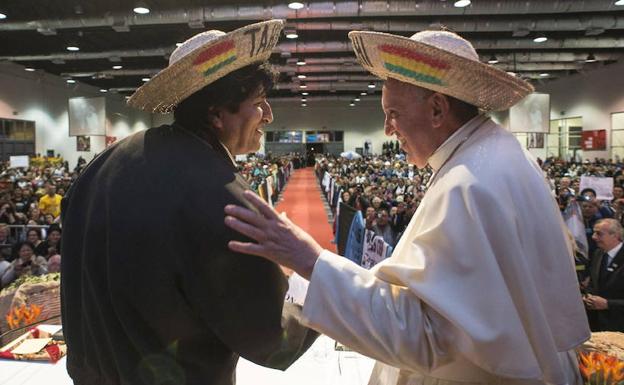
(150, 292)
(611, 288)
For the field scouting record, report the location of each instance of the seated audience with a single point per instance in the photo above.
(52, 244)
(26, 263)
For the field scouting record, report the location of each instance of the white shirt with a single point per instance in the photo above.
(613, 252)
(480, 288)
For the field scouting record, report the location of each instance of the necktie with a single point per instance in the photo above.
(604, 273)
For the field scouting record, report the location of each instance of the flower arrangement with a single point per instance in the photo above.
(23, 315)
(601, 369)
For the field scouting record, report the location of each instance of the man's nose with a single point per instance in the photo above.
(388, 128)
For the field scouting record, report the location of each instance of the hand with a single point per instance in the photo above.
(278, 239)
(594, 302)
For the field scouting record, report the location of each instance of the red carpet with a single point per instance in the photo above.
(302, 203)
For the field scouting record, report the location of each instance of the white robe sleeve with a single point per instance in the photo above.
(393, 325)
(472, 279)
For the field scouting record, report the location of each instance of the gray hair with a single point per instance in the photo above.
(613, 226)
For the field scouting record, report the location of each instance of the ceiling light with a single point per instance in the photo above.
(462, 3)
(357, 99)
(301, 76)
(73, 48)
(295, 5)
(141, 8)
(291, 34)
(302, 85)
(102, 90)
(305, 94)
(304, 105)
(619, 2)
(301, 62)
(29, 69)
(70, 81)
(363, 93)
(304, 99)
(590, 58)
(351, 104)
(117, 67)
(371, 85)
(544, 75)
(540, 39)
(493, 60)
(2, 16)
(146, 79)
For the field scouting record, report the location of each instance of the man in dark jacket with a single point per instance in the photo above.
(150, 292)
(605, 298)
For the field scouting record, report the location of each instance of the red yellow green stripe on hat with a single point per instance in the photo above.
(216, 57)
(413, 64)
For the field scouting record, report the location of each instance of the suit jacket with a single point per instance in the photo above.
(612, 289)
(150, 290)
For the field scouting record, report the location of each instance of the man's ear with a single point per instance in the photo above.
(216, 118)
(440, 108)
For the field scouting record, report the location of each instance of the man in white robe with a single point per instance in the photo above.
(481, 287)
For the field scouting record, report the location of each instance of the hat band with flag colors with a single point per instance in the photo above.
(441, 61)
(203, 59)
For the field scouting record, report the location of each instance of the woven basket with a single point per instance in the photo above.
(46, 295)
(610, 343)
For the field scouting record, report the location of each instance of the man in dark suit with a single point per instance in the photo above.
(605, 301)
(151, 294)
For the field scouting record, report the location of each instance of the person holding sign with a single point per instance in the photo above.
(477, 290)
(150, 292)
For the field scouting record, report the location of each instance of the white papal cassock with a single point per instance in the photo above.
(480, 289)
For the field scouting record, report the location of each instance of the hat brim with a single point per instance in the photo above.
(391, 56)
(207, 63)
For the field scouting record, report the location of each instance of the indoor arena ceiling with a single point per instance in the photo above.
(581, 35)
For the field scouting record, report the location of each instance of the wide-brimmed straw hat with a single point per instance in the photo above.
(203, 59)
(440, 61)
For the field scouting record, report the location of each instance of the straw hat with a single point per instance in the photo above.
(440, 61)
(203, 59)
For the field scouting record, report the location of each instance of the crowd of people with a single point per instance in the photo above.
(385, 188)
(388, 191)
(30, 209)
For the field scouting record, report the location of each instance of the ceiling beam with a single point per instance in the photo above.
(585, 43)
(200, 17)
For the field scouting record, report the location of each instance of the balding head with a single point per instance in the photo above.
(607, 233)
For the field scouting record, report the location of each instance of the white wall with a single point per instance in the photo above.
(42, 98)
(362, 122)
(593, 96)
(359, 123)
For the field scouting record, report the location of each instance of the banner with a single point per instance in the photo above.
(19, 161)
(355, 239)
(344, 224)
(531, 114)
(87, 116)
(374, 251)
(602, 186)
(594, 140)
